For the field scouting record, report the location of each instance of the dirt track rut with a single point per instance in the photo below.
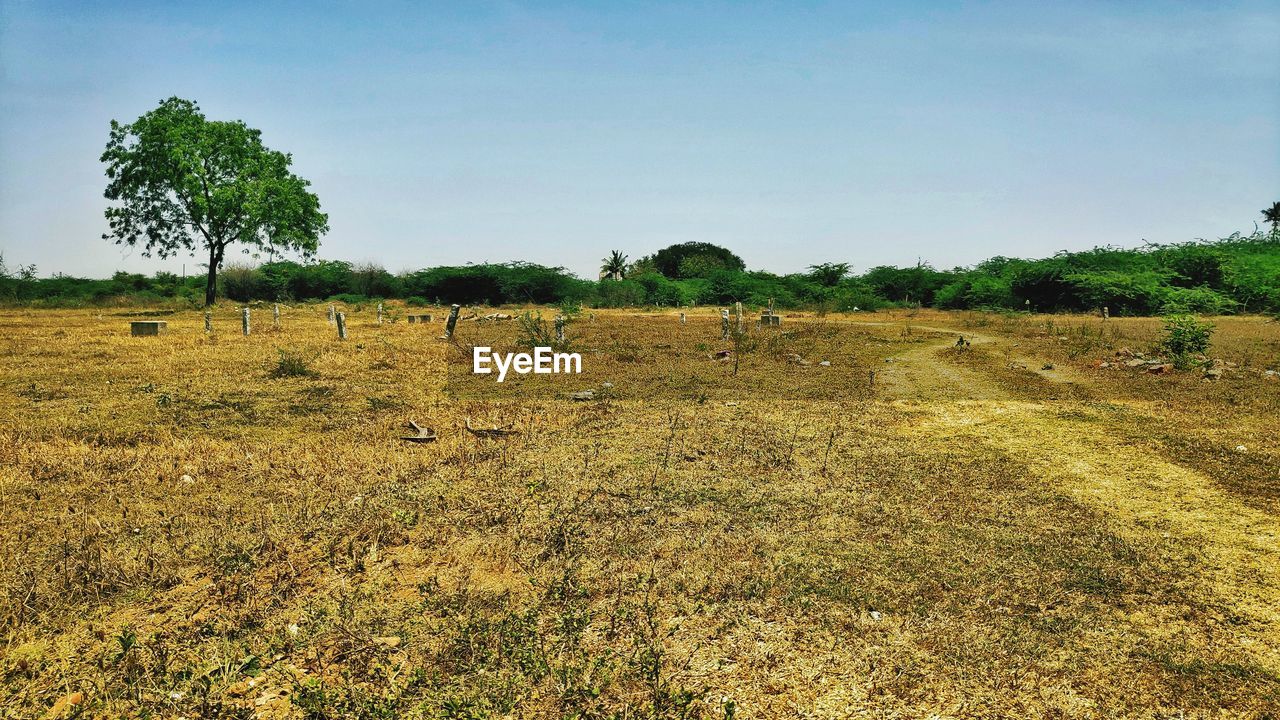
(1082, 454)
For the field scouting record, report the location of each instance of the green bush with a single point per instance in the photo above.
(292, 364)
(1184, 337)
(1202, 300)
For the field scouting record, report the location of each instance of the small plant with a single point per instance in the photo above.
(1183, 337)
(126, 639)
(292, 364)
(570, 309)
(534, 331)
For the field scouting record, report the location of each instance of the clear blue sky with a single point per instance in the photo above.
(793, 133)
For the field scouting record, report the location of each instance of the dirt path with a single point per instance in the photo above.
(1154, 500)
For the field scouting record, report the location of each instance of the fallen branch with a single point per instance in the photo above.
(424, 434)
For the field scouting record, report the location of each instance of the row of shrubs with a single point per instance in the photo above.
(1235, 274)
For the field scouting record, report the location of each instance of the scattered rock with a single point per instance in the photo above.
(606, 386)
(1125, 353)
(875, 615)
(825, 363)
(1161, 369)
(583, 395)
(1241, 448)
(1047, 366)
(1213, 373)
(723, 355)
(1136, 362)
(187, 480)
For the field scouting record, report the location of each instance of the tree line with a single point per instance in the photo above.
(1232, 275)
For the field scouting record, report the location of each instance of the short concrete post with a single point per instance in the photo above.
(683, 319)
(332, 314)
(244, 321)
(379, 313)
(452, 321)
(737, 310)
(1106, 312)
(140, 328)
(275, 314)
(559, 328)
(724, 323)
(208, 321)
(342, 326)
(770, 311)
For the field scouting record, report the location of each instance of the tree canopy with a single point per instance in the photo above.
(695, 259)
(182, 182)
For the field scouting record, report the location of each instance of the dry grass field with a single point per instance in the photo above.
(224, 526)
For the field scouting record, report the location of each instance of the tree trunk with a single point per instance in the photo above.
(211, 286)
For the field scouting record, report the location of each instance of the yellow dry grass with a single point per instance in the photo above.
(190, 532)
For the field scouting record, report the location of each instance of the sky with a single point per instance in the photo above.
(793, 133)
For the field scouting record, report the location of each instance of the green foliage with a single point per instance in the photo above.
(292, 365)
(695, 259)
(1272, 215)
(533, 331)
(828, 274)
(662, 291)
(1184, 337)
(1235, 274)
(906, 285)
(1202, 300)
(182, 182)
(615, 266)
(612, 294)
(497, 284)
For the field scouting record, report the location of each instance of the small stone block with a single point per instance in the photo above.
(771, 320)
(139, 328)
(419, 318)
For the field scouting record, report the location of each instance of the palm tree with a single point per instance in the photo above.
(614, 266)
(1272, 215)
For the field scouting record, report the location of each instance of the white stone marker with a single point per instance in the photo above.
(244, 320)
(342, 326)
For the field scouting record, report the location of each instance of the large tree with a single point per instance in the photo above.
(182, 182)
